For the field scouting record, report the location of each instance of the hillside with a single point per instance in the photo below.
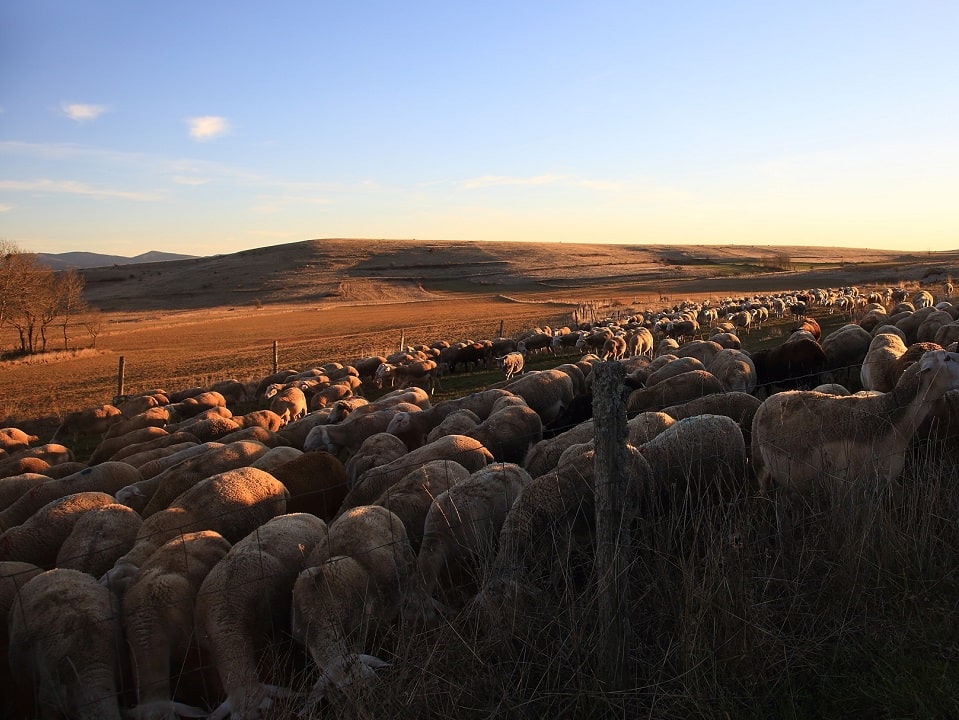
(363, 271)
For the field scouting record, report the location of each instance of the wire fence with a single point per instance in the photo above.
(555, 526)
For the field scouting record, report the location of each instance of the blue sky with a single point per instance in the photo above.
(214, 127)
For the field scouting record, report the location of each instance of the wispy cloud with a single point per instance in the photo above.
(207, 127)
(82, 112)
(5, 208)
(192, 181)
(73, 187)
(485, 181)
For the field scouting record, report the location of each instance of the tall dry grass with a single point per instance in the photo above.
(840, 607)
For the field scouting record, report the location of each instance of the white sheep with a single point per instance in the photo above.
(410, 498)
(99, 538)
(548, 392)
(13, 439)
(289, 404)
(468, 452)
(511, 364)
(38, 539)
(232, 503)
(378, 449)
(357, 426)
(108, 477)
(509, 433)
(64, 643)
(355, 584)
(16, 701)
(884, 350)
(462, 527)
(734, 369)
(173, 482)
(804, 440)
(159, 620)
(245, 601)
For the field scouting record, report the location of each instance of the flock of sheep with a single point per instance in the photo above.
(196, 535)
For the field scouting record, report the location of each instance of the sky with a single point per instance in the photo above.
(213, 127)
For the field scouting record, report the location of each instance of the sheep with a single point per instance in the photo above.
(378, 449)
(702, 350)
(49, 454)
(734, 369)
(193, 406)
(794, 364)
(640, 342)
(232, 503)
(107, 477)
(509, 433)
(923, 299)
(639, 430)
(511, 364)
(316, 482)
(911, 322)
(548, 392)
(930, 326)
(38, 539)
(614, 348)
(139, 459)
(803, 441)
(162, 489)
(845, 350)
(876, 372)
(13, 439)
(107, 447)
(289, 404)
(410, 498)
(65, 643)
(543, 456)
(468, 452)
(459, 422)
(99, 538)
(158, 618)
(727, 340)
(134, 454)
(672, 391)
(414, 427)
(87, 422)
(673, 367)
(463, 524)
(351, 433)
(245, 601)
(739, 406)
(13, 487)
(355, 585)
(14, 703)
(539, 525)
(697, 458)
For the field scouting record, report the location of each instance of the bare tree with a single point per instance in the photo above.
(92, 321)
(70, 302)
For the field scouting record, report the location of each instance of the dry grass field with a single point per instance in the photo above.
(184, 323)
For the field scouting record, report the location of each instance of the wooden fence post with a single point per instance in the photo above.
(403, 341)
(276, 357)
(500, 329)
(120, 379)
(612, 523)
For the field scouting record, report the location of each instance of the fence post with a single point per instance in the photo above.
(276, 357)
(403, 341)
(612, 523)
(120, 379)
(500, 329)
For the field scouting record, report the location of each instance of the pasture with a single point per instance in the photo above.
(747, 608)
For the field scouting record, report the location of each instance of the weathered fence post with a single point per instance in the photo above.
(500, 329)
(276, 357)
(612, 523)
(120, 379)
(403, 341)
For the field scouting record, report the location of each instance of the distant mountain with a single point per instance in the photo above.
(79, 260)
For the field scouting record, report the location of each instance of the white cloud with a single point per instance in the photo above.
(207, 127)
(82, 112)
(5, 208)
(73, 187)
